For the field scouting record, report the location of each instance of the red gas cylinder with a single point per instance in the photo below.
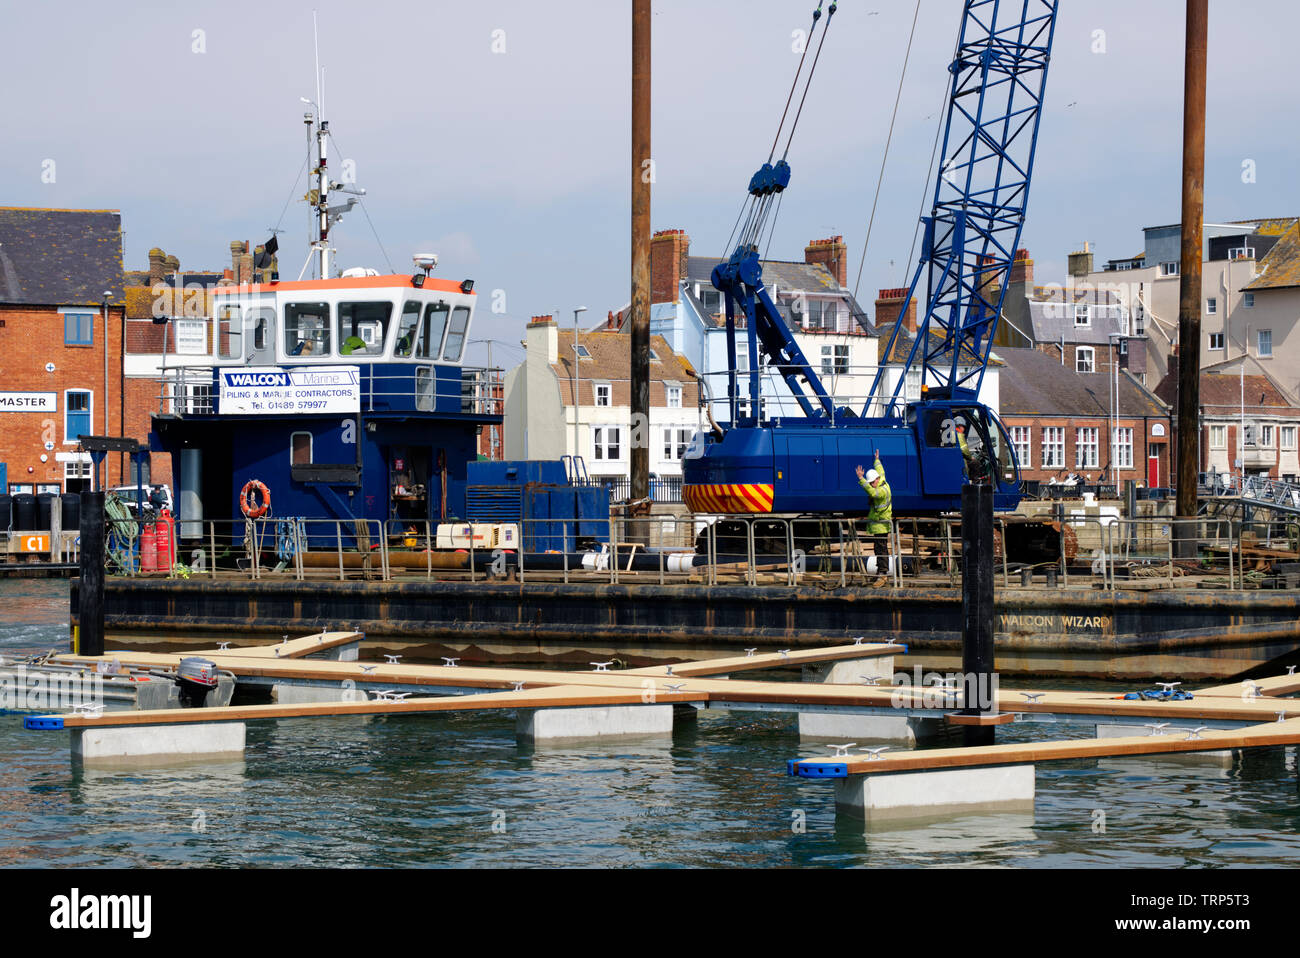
(148, 548)
(165, 533)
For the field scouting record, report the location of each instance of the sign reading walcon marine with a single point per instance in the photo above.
(29, 402)
(269, 390)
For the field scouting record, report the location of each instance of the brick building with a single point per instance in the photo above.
(1061, 421)
(61, 334)
(1247, 424)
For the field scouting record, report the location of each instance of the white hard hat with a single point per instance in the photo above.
(872, 475)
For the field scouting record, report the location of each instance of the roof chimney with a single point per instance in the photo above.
(1022, 269)
(543, 339)
(1081, 262)
(888, 304)
(831, 253)
(157, 266)
(669, 250)
(236, 251)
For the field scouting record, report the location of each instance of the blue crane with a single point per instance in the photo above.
(805, 464)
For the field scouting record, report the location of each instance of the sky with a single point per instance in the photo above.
(497, 134)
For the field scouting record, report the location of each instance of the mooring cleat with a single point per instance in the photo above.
(842, 750)
(1290, 670)
(873, 754)
(519, 686)
(91, 709)
(1157, 726)
(601, 666)
(1033, 696)
(749, 653)
(1169, 687)
(870, 679)
(1196, 732)
(223, 646)
(675, 688)
(668, 670)
(451, 662)
(394, 659)
(859, 639)
(368, 668)
(785, 653)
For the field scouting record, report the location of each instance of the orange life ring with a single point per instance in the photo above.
(249, 504)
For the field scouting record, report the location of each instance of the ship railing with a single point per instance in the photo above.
(189, 390)
(1113, 554)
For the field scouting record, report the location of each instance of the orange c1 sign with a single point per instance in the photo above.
(34, 543)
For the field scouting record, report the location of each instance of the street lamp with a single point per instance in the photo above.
(577, 380)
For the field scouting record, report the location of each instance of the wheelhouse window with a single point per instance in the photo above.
(456, 334)
(300, 449)
(362, 327)
(407, 330)
(435, 327)
(307, 329)
(230, 332)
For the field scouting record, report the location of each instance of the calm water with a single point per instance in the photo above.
(458, 791)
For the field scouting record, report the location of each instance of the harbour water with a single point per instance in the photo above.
(458, 791)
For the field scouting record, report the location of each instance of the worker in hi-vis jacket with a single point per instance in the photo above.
(878, 519)
(978, 468)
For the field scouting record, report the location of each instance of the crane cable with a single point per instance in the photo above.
(857, 283)
(759, 227)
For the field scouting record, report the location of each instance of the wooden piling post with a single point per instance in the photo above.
(90, 590)
(977, 607)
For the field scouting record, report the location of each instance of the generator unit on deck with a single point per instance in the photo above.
(553, 514)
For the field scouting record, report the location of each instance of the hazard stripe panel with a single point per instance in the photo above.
(747, 498)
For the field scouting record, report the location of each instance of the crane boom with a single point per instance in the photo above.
(999, 76)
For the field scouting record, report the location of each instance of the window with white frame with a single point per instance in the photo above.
(1265, 342)
(1082, 315)
(607, 443)
(1266, 436)
(1211, 305)
(1021, 440)
(1216, 340)
(1218, 437)
(673, 395)
(1053, 447)
(1085, 447)
(603, 393)
(1288, 437)
(1241, 252)
(1168, 269)
(835, 360)
(1248, 300)
(1123, 452)
(912, 385)
(1085, 359)
(78, 469)
(676, 439)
